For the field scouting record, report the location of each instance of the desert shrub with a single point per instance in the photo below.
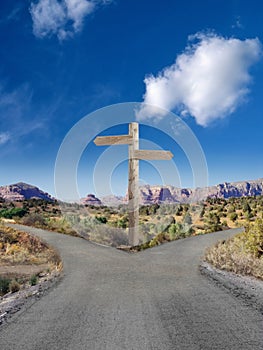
(233, 216)
(202, 213)
(4, 285)
(144, 210)
(101, 219)
(176, 231)
(34, 219)
(212, 223)
(13, 212)
(112, 236)
(252, 239)
(33, 280)
(187, 219)
(123, 222)
(22, 248)
(231, 208)
(241, 254)
(246, 207)
(14, 286)
(248, 215)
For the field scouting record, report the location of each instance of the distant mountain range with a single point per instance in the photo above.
(170, 194)
(148, 194)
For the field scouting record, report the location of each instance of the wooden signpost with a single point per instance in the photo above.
(132, 139)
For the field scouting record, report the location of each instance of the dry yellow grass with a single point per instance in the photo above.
(21, 248)
(242, 254)
(23, 257)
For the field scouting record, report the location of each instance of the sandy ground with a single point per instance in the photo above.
(24, 270)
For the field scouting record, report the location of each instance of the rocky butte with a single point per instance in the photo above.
(90, 199)
(22, 191)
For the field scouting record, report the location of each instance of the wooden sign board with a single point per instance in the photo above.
(152, 155)
(113, 140)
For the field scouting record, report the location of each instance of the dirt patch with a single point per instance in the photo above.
(28, 268)
(23, 270)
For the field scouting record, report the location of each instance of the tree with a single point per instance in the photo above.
(231, 209)
(246, 208)
(233, 216)
(179, 210)
(202, 213)
(123, 222)
(13, 212)
(176, 231)
(102, 219)
(188, 219)
(213, 222)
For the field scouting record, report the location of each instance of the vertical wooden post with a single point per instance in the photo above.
(134, 156)
(133, 186)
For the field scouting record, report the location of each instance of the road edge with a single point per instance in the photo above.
(12, 305)
(247, 288)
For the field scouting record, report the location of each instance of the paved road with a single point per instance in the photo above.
(111, 300)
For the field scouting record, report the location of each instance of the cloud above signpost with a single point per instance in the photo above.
(208, 81)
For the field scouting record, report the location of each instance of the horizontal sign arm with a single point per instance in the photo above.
(113, 140)
(152, 155)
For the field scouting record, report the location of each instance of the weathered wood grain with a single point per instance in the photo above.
(113, 140)
(133, 187)
(152, 155)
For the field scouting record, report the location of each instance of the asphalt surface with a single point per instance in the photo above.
(112, 300)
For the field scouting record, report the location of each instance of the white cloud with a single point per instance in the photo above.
(4, 137)
(49, 17)
(61, 18)
(208, 81)
(77, 10)
(16, 114)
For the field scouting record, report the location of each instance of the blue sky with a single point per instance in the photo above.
(61, 60)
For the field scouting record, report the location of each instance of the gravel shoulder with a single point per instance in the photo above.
(248, 289)
(12, 304)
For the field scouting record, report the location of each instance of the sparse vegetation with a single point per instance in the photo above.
(12, 212)
(14, 286)
(4, 285)
(33, 280)
(158, 224)
(21, 251)
(242, 254)
(108, 225)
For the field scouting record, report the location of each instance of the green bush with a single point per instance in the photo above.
(33, 280)
(123, 222)
(233, 216)
(13, 212)
(101, 219)
(252, 240)
(4, 285)
(176, 231)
